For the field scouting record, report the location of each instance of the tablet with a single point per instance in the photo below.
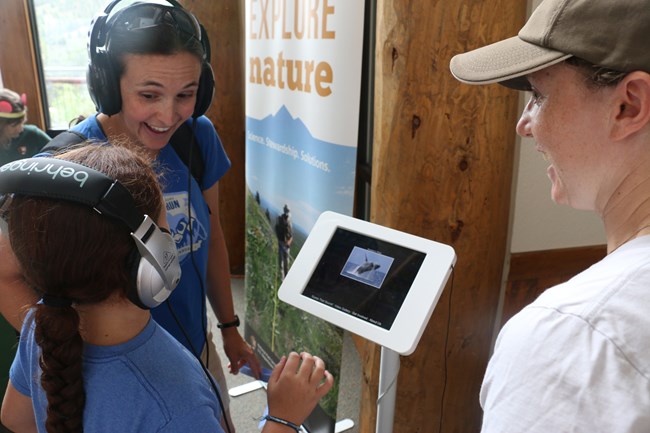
(379, 283)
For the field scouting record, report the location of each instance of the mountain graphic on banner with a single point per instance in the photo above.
(284, 119)
(284, 129)
(282, 156)
(281, 151)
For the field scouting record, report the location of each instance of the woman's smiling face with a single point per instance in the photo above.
(158, 95)
(568, 122)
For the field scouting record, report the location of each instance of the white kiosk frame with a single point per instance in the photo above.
(327, 280)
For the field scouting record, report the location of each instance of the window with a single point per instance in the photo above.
(61, 33)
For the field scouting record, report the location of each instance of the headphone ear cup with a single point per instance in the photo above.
(147, 289)
(103, 85)
(150, 285)
(132, 291)
(205, 92)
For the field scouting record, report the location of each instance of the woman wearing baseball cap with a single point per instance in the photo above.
(578, 358)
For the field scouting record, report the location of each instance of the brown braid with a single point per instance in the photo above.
(57, 334)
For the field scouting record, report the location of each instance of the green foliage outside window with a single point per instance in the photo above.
(62, 27)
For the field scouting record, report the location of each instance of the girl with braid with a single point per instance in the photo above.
(89, 358)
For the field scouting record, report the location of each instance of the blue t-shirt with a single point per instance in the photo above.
(187, 300)
(149, 384)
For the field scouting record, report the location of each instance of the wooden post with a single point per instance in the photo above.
(18, 58)
(442, 169)
(224, 23)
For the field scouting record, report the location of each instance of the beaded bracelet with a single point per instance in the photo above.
(282, 421)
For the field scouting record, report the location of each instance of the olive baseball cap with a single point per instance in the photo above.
(610, 33)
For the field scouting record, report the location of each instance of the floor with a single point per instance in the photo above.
(246, 409)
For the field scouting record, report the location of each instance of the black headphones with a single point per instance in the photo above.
(155, 269)
(103, 82)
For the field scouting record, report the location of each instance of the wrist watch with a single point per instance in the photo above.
(234, 324)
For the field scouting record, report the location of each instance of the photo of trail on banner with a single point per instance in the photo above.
(274, 327)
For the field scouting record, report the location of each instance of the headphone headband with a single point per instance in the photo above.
(65, 180)
(152, 15)
(16, 115)
(59, 179)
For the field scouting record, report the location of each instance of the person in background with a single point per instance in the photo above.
(90, 358)
(284, 233)
(577, 359)
(17, 138)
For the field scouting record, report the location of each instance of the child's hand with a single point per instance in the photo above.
(297, 384)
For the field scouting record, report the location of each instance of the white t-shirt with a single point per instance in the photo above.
(578, 358)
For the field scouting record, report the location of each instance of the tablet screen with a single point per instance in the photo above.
(364, 277)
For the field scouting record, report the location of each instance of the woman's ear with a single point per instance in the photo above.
(633, 105)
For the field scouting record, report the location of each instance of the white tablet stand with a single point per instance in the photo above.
(376, 282)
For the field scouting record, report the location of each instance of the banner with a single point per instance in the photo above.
(303, 82)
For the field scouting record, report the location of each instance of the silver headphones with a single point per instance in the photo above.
(155, 267)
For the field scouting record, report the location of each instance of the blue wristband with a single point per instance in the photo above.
(266, 373)
(282, 421)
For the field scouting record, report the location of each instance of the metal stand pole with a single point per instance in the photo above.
(388, 369)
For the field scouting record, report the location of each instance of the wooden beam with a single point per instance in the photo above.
(442, 169)
(18, 58)
(224, 23)
(533, 272)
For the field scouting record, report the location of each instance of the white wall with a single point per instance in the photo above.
(537, 223)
